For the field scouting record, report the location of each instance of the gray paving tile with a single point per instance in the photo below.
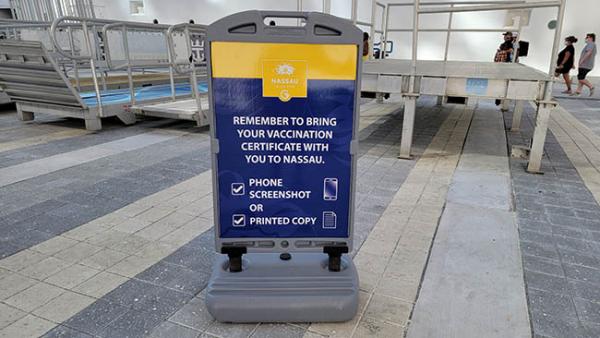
(545, 250)
(542, 265)
(576, 257)
(193, 258)
(587, 291)
(582, 273)
(175, 277)
(33, 210)
(570, 232)
(544, 282)
(194, 315)
(133, 324)
(56, 225)
(96, 317)
(589, 330)
(278, 330)
(65, 332)
(230, 330)
(170, 330)
(8, 249)
(555, 327)
(587, 311)
(535, 236)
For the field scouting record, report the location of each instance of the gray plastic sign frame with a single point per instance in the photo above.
(318, 28)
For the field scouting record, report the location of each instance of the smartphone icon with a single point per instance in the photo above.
(330, 189)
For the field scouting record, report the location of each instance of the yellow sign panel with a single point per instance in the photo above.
(285, 79)
(246, 59)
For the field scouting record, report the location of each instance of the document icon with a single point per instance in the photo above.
(329, 220)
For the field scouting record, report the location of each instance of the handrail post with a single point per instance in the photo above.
(194, 80)
(559, 24)
(128, 59)
(415, 37)
(448, 34)
(171, 58)
(372, 30)
(86, 38)
(75, 66)
(385, 31)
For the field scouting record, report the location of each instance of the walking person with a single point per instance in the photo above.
(565, 62)
(506, 49)
(505, 52)
(586, 64)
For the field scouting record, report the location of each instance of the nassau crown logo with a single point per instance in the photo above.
(285, 79)
(285, 69)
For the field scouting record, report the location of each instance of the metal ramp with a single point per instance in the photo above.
(31, 77)
(180, 110)
(94, 68)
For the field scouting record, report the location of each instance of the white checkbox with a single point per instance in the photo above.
(238, 189)
(238, 220)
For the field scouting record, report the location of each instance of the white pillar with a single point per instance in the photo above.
(517, 116)
(408, 126)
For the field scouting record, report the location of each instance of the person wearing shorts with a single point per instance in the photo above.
(586, 64)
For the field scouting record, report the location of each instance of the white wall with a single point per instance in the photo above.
(582, 16)
(202, 11)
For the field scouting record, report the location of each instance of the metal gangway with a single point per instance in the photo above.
(445, 78)
(90, 69)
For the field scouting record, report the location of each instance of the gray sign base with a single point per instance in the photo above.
(269, 289)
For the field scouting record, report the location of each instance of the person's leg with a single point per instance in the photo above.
(567, 82)
(580, 78)
(586, 83)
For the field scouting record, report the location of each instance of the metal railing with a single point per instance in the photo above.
(87, 26)
(191, 33)
(99, 43)
(490, 6)
(129, 62)
(48, 10)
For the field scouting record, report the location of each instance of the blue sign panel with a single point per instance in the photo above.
(477, 86)
(284, 166)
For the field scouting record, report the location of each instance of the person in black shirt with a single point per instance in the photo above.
(506, 49)
(566, 61)
(505, 52)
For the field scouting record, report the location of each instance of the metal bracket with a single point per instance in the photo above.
(235, 257)
(335, 257)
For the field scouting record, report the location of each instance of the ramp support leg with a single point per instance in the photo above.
(539, 136)
(93, 123)
(440, 100)
(127, 118)
(24, 115)
(504, 105)
(408, 125)
(517, 116)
